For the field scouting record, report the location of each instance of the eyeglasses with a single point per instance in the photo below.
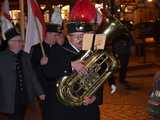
(77, 36)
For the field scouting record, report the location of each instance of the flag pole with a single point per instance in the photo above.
(40, 38)
(22, 23)
(41, 44)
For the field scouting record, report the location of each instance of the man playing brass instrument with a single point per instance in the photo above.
(60, 62)
(89, 110)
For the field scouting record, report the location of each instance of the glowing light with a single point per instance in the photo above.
(118, 10)
(126, 9)
(42, 6)
(131, 22)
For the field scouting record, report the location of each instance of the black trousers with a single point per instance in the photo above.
(90, 112)
(52, 109)
(111, 81)
(124, 59)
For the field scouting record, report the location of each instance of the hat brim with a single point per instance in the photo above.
(80, 27)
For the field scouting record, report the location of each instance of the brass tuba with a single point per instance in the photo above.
(72, 89)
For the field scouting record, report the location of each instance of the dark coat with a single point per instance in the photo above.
(74, 55)
(122, 42)
(8, 80)
(3, 44)
(58, 64)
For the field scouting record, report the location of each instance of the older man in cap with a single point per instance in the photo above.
(18, 83)
(49, 70)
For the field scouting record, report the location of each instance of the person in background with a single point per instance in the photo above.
(19, 85)
(121, 44)
(49, 69)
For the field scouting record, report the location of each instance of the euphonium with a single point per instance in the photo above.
(72, 89)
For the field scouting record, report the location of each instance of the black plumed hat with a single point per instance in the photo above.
(53, 28)
(79, 27)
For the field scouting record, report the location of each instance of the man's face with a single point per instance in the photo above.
(52, 37)
(61, 38)
(76, 39)
(16, 43)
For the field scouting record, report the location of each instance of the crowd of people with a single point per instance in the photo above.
(37, 76)
(25, 77)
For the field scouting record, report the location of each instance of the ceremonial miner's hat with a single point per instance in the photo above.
(82, 16)
(56, 21)
(53, 27)
(8, 30)
(11, 33)
(79, 27)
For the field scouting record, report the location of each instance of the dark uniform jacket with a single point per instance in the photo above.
(122, 41)
(74, 55)
(58, 65)
(3, 44)
(8, 80)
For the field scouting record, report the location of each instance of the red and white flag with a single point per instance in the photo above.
(5, 18)
(36, 29)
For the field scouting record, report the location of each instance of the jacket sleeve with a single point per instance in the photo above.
(35, 83)
(35, 56)
(38, 69)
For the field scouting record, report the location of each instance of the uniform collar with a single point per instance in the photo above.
(74, 47)
(47, 44)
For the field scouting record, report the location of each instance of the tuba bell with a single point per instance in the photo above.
(72, 89)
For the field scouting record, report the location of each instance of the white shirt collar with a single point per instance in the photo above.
(74, 47)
